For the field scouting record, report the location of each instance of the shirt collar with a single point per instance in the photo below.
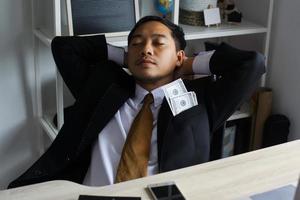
(158, 95)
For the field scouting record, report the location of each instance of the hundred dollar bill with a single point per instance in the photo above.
(174, 89)
(195, 98)
(182, 102)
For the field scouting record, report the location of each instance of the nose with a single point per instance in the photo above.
(147, 49)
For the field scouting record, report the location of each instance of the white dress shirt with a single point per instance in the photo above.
(107, 149)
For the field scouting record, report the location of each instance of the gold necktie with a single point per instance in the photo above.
(135, 155)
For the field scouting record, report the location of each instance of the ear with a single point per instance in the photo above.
(180, 58)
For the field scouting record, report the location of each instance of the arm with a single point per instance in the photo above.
(238, 73)
(76, 57)
(198, 65)
(117, 54)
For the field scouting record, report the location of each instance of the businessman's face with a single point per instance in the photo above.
(152, 55)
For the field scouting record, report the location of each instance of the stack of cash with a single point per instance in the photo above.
(179, 99)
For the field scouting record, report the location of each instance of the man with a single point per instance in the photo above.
(90, 146)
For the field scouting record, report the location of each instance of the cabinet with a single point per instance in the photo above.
(50, 20)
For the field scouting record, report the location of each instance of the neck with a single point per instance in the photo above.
(148, 87)
(152, 85)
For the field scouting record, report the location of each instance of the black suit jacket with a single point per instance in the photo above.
(101, 87)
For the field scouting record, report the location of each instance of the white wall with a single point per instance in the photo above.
(284, 71)
(18, 139)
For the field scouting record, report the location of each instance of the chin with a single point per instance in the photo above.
(147, 79)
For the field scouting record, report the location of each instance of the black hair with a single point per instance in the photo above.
(176, 31)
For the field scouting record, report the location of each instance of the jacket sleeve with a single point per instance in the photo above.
(238, 73)
(76, 57)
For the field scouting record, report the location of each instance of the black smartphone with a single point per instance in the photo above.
(165, 191)
(88, 197)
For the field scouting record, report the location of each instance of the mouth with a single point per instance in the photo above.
(142, 61)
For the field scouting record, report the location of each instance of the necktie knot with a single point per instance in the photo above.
(148, 99)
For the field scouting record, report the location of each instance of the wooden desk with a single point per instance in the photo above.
(231, 178)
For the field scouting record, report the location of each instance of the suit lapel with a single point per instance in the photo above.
(106, 108)
(164, 117)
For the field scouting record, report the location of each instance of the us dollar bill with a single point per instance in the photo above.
(178, 98)
(183, 102)
(194, 98)
(174, 89)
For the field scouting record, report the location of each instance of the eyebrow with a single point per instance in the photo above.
(153, 35)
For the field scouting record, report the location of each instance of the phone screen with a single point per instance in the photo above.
(166, 192)
(88, 197)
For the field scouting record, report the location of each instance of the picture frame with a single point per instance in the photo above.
(212, 16)
(110, 17)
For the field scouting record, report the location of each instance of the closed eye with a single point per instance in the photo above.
(135, 43)
(159, 43)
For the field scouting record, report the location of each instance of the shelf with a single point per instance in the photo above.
(224, 30)
(201, 32)
(43, 37)
(117, 41)
(243, 112)
(238, 115)
(48, 126)
(114, 40)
